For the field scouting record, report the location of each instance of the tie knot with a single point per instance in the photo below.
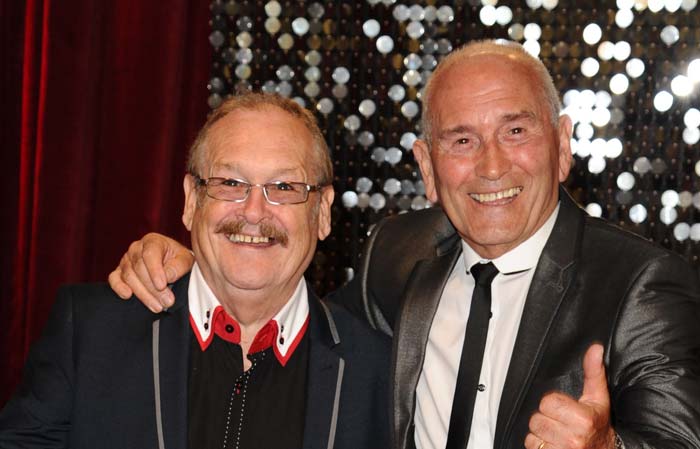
(483, 273)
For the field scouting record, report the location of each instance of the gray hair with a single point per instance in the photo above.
(257, 101)
(490, 47)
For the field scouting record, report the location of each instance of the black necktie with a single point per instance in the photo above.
(472, 357)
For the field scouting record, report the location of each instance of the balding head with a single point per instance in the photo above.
(469, 54)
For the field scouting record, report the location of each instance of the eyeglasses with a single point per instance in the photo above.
(237, 191)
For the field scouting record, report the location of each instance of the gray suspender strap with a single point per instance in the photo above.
(336, 404)
(339, 381)
(156, 383)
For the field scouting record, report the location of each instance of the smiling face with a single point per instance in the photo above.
(495, 159)
(254, 247)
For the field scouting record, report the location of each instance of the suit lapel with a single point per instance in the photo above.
(553, 275)
(324, 378)
(422, 295)
(173, 351)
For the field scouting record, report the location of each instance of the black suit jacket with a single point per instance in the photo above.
(593, 283)
(89, 381)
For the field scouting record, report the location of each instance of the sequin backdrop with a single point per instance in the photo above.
(628, 72)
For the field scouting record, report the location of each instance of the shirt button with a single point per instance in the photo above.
(229, 328)
(206, 326)
(481, 387)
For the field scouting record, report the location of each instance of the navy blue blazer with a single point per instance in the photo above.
(89, 381)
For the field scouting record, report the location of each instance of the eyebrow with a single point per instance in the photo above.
(517, 116)
(506, 118)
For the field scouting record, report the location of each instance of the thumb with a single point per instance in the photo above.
(595, 384)
(178, 266)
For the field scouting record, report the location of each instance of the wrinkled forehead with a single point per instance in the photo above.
(475, 81)
(473, 73)
(264, 132)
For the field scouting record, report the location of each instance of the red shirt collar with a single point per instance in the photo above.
(283, 332)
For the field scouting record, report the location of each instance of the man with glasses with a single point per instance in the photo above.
(247, 357)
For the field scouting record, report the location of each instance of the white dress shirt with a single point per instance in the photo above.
(291, 321)
(437, 382)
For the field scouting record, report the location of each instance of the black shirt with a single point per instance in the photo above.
(260, 408)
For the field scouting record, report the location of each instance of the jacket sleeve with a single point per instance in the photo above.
(655, 358)
(38, 414)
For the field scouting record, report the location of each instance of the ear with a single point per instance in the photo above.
(324, 212)
(421, 153)
(565, 156)
(190, 188)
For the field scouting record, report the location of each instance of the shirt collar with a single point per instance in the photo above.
(521, 258)
(287, 326)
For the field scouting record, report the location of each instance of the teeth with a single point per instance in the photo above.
(494, 196)
(242, 238)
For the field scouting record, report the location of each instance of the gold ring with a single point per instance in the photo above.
(542, 444)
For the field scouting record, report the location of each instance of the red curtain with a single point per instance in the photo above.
(98, 105)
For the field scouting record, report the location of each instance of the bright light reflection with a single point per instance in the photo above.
(613, 148)
(689, 5)
(681, 86)
(672, 5)
(606, 50)
(532, 31)
(635, 67)
(601, 117)
(619, 84)
(584, 131)
(694, 70)
(590, 67)
(532, 47)
(625, 4)
(594, 210)
(503, 15)
(550, 4)
(596, 165)
(587, 99)
(691, 136)
(640, 5)
(663, 101)
(625, 181)
(624, 18)
(583, 148)
(570, 97)
(622, 51)
(598, 148)
(592, 34)
(487, 15)
(655, 5)
(691, 118)
(602, 99)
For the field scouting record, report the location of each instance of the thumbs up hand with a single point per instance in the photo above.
(564, 422)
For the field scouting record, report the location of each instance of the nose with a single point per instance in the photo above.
(494, 161)
(255, 207)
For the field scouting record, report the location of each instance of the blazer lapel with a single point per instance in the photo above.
(553, 275)
(172, 337)
(422, 295)
(325, 378)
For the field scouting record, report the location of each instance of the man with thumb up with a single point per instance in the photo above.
(563, 421)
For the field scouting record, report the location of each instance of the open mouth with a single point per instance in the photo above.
(493, 197)
(255, 239)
